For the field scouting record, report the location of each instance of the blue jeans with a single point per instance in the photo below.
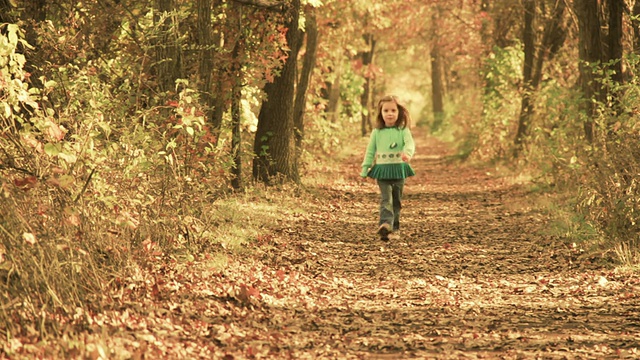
(390, 202)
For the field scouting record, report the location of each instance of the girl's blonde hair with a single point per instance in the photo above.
(404, 118)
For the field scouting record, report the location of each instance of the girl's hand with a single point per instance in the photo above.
(405, 157)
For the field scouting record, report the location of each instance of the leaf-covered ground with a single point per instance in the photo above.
(476, 274)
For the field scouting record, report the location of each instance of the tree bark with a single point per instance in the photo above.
(590, 42)
(334, 92)
(636, 27)
(168, 57)
(437, 86)
(438, 81)
(614, 39)
(219, 75)
(365, 98)
(526, 109)
(236, 107)
(557, 33)
(274, 145)
(206, 55)
(554, 34)
(308, 64)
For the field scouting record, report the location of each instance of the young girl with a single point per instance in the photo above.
(387, 158)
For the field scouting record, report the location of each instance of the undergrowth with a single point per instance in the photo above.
(99, 187)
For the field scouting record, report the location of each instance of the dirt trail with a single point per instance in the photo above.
(473, 276)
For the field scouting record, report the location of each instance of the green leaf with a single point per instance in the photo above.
(66, 181)
(69, 158)
(7, 110)
(50, 84)
(52, 149)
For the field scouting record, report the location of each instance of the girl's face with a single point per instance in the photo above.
(389, 113)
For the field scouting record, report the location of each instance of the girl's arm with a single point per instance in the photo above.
(369, 154)
(409, 145)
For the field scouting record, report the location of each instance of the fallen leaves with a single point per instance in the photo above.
(25, 183)
(468, 279)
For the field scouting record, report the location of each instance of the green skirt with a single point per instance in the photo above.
(391, 171)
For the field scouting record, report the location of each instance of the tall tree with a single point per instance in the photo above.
(437, 72)
(615, 50)
(206, 54)
(590, 40)
(236, 102)
(528, 38)
(168, 53)
(274, 144)
(554, 35)
(635, 23)
(308, 64)
(535, 55)
(220, 71)
(614, 39)
(365, 98)
(333, 100)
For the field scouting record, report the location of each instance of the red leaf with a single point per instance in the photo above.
(56, 132)
(26, 183)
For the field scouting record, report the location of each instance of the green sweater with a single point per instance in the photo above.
(383, 160)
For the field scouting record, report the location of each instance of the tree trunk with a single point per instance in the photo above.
(206, 55)
(554, 35)
(614, 58)
(557, 29)
(219, 74)
(590, 42)
(636, 27)
(308, 64)
(236, 107)
(553, 38)
(365, 98)
(614, 55)
(334, 93)
(438, 81)
(526, 109)
(168, 57)
(274, 145)
(437, 86)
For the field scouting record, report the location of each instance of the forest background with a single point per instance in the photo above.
(134, 129)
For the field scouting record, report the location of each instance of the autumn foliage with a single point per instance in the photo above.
(127, 129)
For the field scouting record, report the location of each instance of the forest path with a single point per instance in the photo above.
(475, 275)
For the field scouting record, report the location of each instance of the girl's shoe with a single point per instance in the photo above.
(394, 235)
(384, 230)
